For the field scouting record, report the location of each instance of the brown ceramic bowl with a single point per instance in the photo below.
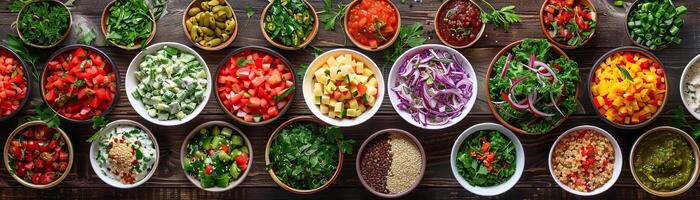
(224, 44)
(27, 77)
(309, 38)
(696, 155)
(272, 171)
(564, 45)
(6, 154)
(366, 47)
(629, 34)
(65, 35)
(264, 50)
(107, 60)
(138, 44)
(435, 26)
(503, 51)
(372, 137)
(592, 75)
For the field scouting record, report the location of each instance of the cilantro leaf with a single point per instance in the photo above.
(98, 123)
(409, 36)
(43, 113)
(241, 62)
(500, 17)
(302, 70)
(329, 16)
(249, 12)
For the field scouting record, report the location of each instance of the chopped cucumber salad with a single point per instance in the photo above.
(216, 156)
(171, 83)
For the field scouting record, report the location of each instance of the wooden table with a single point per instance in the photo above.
(169, 181)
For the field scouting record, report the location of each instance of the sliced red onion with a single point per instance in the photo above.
(505, 67)
(531, 102)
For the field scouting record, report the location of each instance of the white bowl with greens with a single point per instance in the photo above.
(168, 84)
(124, 154)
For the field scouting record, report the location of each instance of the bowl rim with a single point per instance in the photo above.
(66, 49)
(304, 118)
(617, 165)
(222, 63)
(555, 49)
(94, 147)
(31, 185)
(136, 61)
(520, 159)
(195, 131)
(404, 133)
(366, 47)
(545, 30)
(629, 35)
(308, 76)
(223, 44)
(466, 65)
(27, 77)
(591, 74)
(103, 28)
(63, 38)
(439, 36)
(309, 38)
(692, 64)
(693, 147)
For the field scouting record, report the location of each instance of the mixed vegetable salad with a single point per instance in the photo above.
(38, 155)
(532, 88)
(216, 156)
(433, 87)
(171, 84)
(569, 22)
(255, 85)
(79, 83)
(289, 22)
(344, 87)
(486, 158)
(13, 83)
(126, 154)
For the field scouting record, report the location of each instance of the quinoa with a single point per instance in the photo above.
(583, 160)
(406, 163)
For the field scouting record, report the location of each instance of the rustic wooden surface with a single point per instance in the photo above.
(169, 182)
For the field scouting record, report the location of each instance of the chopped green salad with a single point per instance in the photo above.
(171, 84)
(486, 158)
(216, 156)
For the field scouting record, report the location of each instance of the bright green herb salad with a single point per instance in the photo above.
(216, 156)
(532, 88)
(486, 158)
(289, 22)
(171, 84)
(43, 23)
(129, 23)
(655, 23)
(305, 155)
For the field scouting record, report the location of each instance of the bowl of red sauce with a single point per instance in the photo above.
(80, 82)
(458, 23)
(372, 25)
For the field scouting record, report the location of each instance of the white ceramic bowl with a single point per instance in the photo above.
(394, 76)
(696, 62)
(231, 185)
(519, 160)
(131, 84)
(616, 169)
(308, 84)
(95, 145)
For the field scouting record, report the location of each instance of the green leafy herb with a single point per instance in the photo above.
(409, 36)
(43, 113)
(304, 155)
(249, 12)
(378, 26)
(474, 152)
(242, 62)
(289, 22)
(678, 120)
(461, 31)
(654, 23)
(317, 51)
(500, 17)
(30, 57)
(625, 73)
(284, 94)
(302, 70)
(98, 123)
(86, 37)
(158, 7)
(17, 5)
(330, 16)
(129, 23)
(79, 82)
(43, 23)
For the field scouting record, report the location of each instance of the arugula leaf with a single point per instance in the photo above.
(98, 123)
(86, 37)
(409, 36)
(329, 16)
(625, 74)
(500, 17)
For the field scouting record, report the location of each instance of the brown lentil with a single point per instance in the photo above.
(375, 162)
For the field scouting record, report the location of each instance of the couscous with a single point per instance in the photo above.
(583, 160)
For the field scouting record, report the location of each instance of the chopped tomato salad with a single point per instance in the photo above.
(79, 84)
(255, 85)
(38, 155)
(13, 84)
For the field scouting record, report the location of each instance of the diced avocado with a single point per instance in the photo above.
(235, 171)
(236, 140)
(226, 131)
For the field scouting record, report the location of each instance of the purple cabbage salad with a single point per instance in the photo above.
(432, 87)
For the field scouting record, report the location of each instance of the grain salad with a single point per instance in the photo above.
(126, 154)
(583, 160)
(391, 163)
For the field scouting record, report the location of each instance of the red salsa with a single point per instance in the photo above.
(569, 22)
(459, 22)
(79, 84)
(372, 22)
(13, 85)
